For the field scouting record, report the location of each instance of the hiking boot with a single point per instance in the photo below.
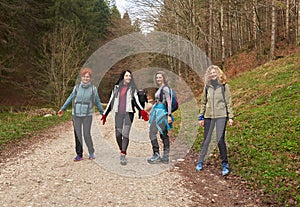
(199, 166)
(123, 160)
(165, 158)
(154, 159)
(225, 169)
(77, 158)
(92, 156)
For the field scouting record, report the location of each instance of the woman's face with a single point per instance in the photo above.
(159, 79)
(127, 78)
(213, 74)
(86, 78)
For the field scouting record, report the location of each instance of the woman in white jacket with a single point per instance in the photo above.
(122, 101)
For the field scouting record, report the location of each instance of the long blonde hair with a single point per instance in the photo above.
(221, 75)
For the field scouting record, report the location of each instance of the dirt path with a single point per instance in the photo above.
(43, 174)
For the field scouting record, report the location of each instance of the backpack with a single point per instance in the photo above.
(142, 96)
(174, 103)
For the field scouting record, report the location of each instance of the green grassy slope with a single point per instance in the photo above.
(20, 125)
(264, 143)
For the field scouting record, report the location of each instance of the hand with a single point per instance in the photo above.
(170, 119)
(201, 123)
(230, 122)
(103, 119)
(60, 113)
(145, 115)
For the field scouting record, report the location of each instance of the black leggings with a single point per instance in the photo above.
(123, 124)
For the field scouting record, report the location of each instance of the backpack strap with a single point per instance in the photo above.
(162, 93)
(92, 100)
(74, 97)
(76, 90)
(93, 95)
(223, 93)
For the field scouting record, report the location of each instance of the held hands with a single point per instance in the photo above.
(201, 122)
(170, 119)
(103, 119)
(145, 115)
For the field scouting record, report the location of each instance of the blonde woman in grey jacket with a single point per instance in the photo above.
(216, 110)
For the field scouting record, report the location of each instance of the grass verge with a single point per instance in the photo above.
(22, 125)
(264, 141)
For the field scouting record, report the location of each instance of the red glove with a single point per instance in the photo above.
(60, 112)
(103, 118)
(145, 115)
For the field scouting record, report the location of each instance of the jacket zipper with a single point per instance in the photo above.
(214, 104)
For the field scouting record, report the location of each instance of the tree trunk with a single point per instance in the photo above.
(210, 32)
(273, 30)
(287, 20)
(222, 32)
(254, 23)
(229, 29)
(298, 25)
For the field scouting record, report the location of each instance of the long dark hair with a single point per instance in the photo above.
(121, 78)
(132, 84)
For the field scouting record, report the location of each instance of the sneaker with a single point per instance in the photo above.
(154, 159)
(92, 156)
(77, 158)
(225, 169)
(199, 166)
(123, 160)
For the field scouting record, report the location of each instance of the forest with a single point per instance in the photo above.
(45, 43)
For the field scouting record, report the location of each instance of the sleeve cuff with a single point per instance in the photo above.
(201, 117)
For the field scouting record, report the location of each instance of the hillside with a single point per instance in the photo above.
(264, 141)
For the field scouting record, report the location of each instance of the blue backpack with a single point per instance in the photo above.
(173, 98)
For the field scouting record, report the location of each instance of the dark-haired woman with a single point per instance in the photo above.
(122, 101)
